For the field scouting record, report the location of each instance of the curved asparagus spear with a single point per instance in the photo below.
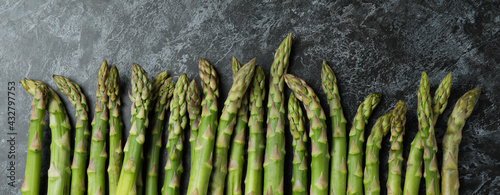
(319, 140)
(237, 148)
(338, 181)
(161, 106)
(140, 97)
(296, 118)
(31, 184)
(371, 176)
(176, 124)
(414, 162)
(202, 165)
(274, 160)
(396, 153)
(79, 101)
(463, 109)
(194, 110)
(256, 141)
(226, 126)
(356, 139)
(97, 166)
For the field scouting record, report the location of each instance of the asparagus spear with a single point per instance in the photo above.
(319, 141)
(202, 166)
(237, 157)
(462, 110)
(371, 177)
(176, 124)
(396, 153)
(140, 97)
(356, 139)
(227, 123)
(414, 162)
(162, 103)
(338, 181)
(77, 98)
(296, 118)
(253, 180)
(97, 166)
(194, 110)
(274, 160)
(31, 184)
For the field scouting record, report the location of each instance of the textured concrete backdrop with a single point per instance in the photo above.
(380, 46)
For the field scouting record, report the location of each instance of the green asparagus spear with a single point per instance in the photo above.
(31, 184)
(414, 162)
(227, 123)
(202, 165)
(140, 97)
(371, 176)
(237, 148)
(396, 153)
(77, 98)
(97, 166)
(161, 106)
(356, 139)
(176, 124)
(463, 109)
(338, 181)
(274, 160)
(299, 142)
(194, 110)
(319, 141)
(256, 141)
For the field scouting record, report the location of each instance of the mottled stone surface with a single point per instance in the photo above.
(380, 46)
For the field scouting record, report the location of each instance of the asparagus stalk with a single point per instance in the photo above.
(237, 156)
(140, 97)
(153, 156)
(274, 160)
(414, 162)
(296, 118)
(202, 165)
(194, 110)
(396, 153)
(356, 139)
(31, 184)
(227, 123)
(256, 141)
(462, 110)
(79, 101)
(176, 123)
(319, 141)
(338, 181)
(371, 176)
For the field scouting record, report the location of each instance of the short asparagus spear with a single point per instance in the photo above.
(356, 140)
(396, 153)
(371, 176)
(31, 184)
(194, 110)
(97, 166)
(463, 109)
(274, 160)
(256, 140)
(319, 141)
(338, 181)
(237, 148)
(140, 97)
(299, 143)
(202, 165)
(226, 126)
(176, 124)
(79, 101)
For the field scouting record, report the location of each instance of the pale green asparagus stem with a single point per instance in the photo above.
(115, 130)
(317, 132)
(31, 184)
(396, 153)
(193, 99)
(274, 160)
(299, 143)
(356, 142)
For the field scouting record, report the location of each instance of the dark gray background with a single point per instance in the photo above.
(380, 46)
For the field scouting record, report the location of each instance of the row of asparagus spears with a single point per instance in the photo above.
(218, 143)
